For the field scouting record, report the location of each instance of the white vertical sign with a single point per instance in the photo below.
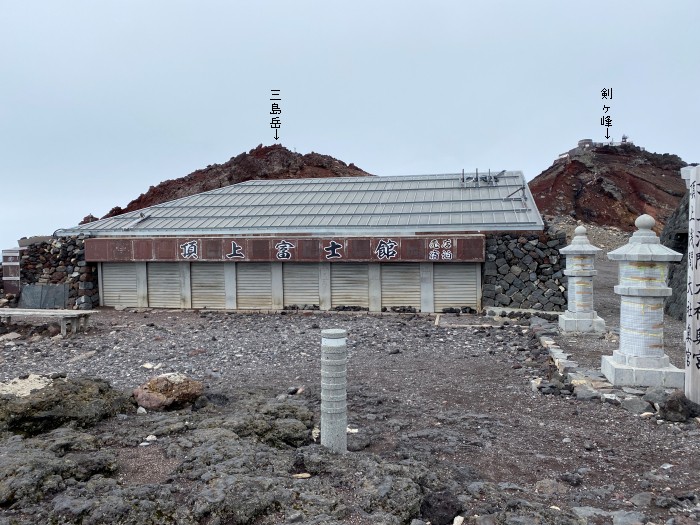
(692, 329)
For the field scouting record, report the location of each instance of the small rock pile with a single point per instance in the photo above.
(59, 261)
(306, 307)
(525, 271)
(567, 378)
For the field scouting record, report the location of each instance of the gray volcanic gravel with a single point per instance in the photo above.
(445, 420)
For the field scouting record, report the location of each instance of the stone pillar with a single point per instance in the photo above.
(580, 263)
(691, 174)
(334, 411)
(640, 359)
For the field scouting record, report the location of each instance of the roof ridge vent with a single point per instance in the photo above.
(142, 217)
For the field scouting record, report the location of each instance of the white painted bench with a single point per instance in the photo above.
(75, 318)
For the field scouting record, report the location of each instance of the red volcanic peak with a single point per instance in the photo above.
(611, 185)
(263, 162)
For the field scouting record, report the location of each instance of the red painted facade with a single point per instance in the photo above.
(436, 248)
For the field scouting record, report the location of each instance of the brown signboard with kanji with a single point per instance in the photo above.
(438, 248)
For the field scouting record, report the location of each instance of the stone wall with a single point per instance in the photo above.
(62, 260)
(525, 271)
(675, 236)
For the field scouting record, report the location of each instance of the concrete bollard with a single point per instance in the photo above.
(580, 269)
(334, 408)
(640, 360)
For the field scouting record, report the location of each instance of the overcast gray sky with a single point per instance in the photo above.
(100, 100)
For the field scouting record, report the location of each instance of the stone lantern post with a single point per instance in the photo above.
(580, 263)
(640, 359)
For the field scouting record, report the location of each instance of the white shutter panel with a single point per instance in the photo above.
(455, 285)
(208, 287)
(300, 284)
(401, 284)
(119, 284)
(164, 285)
(254, 285)
(349, 284)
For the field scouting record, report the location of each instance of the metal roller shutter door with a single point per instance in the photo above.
(119, 284)
(208, 287)
(164, 285)
(300, 284)
(349, 284)
(455, 285)
(401, 284)
(254, 285)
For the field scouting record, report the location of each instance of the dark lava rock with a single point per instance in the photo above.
(82, 401)
(675, 236)
(656, 395)
(440, 508)
(32, 468)
(678, 408)
(572, 478)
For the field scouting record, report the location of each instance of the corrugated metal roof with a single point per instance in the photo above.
(348, 206)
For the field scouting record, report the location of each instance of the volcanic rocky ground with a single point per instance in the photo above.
(446, 424)
(611, 186)
(263, 162)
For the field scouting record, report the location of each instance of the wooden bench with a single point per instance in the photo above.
(75, 318)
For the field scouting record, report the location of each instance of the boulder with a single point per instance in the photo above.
(38, 404)
(636, 405)
(678, 408)
(168, 392)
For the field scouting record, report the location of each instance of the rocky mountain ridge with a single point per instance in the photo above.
(262, 162)
(601, 184)
(610, 185)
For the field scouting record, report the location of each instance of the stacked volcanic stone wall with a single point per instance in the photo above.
(525, 271)
(62, 260)
(675, 236)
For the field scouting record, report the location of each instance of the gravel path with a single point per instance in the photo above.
(456, 396)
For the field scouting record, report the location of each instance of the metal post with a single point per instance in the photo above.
(334, 411)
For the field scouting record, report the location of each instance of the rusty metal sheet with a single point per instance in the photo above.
(358, 249)
(308, 249)
(412, 249)
(385, 249)
(121, 250)
(12, 287)
(165, 249)
(212, 250)
(10, 270)
(332, 250)
(97, 249)
(189, 249)
(471, 249)
(258, 250)
(465, 248)
(234, 250)
(143, 249)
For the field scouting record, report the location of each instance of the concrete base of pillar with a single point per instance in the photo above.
(623, 370)
(581, 322)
